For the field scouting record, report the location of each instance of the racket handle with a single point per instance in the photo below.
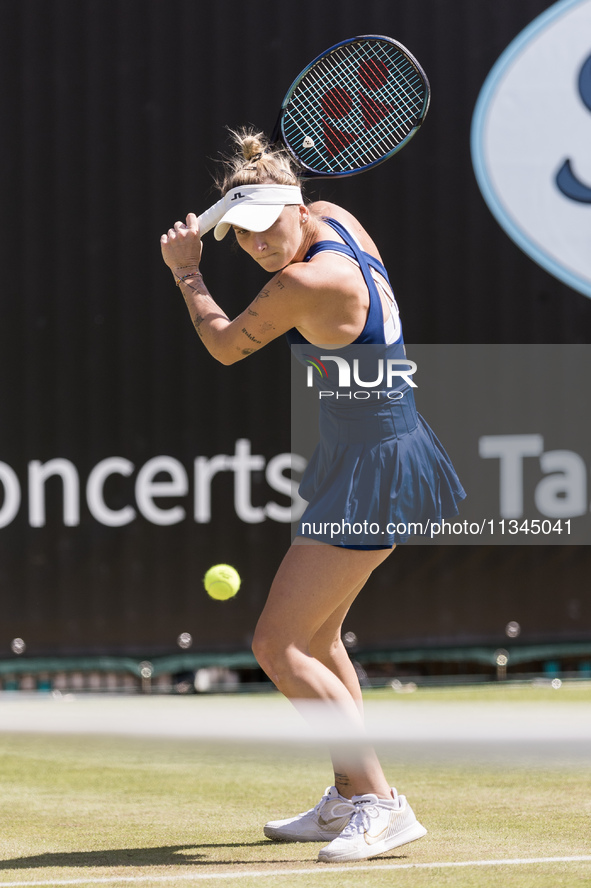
(210, 218)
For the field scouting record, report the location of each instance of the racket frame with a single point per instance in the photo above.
(309, 172)
(212, 216)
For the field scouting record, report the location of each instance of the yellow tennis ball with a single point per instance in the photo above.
(221, 582)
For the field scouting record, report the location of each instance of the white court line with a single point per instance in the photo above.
(322, 868)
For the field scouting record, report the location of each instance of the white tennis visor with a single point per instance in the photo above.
(255, 207)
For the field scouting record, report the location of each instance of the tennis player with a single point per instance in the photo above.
(377, 461)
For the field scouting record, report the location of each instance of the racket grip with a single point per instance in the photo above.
(210, 218)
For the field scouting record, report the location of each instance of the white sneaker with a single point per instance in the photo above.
(378, 825)
(320, 824)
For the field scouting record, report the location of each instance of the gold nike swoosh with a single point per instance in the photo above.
(330, 822)
(371, 840)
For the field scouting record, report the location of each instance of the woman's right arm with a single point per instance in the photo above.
(289, 299)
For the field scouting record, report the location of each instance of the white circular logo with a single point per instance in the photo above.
(531, 141)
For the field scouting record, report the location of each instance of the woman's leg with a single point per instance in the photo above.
(327, 647)
(314, 587)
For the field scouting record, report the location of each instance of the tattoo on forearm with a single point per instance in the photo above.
(197, 321)
(263, 294)
(192, 287)
(252, 313)
(246, 351)
(279, 283)
(250, 336)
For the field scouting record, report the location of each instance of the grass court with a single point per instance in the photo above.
(107, 810)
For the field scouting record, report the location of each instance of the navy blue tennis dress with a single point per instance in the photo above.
(378, 474)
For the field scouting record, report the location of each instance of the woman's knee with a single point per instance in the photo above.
(326, 647)
(269, 648)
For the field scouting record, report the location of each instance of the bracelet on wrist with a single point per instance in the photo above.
(179, 280)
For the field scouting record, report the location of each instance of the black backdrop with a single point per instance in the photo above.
(113, 112)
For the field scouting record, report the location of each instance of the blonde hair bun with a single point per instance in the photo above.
(252, 144)
(255, 162)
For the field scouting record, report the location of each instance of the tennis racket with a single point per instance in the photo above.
(349, 110)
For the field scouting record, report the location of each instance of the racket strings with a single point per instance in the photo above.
(354, 106)
(407, 97)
